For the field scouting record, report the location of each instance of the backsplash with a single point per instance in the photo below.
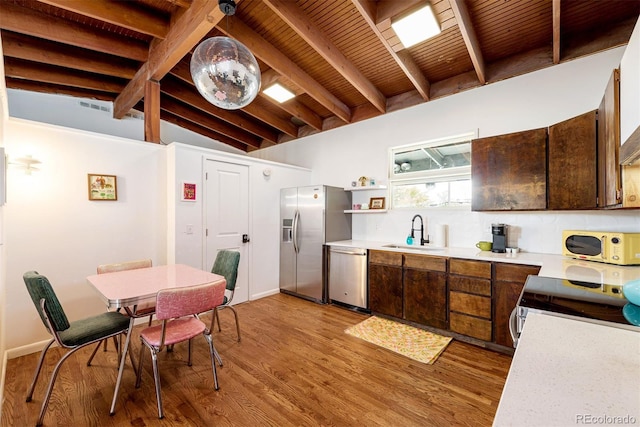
(539, 232)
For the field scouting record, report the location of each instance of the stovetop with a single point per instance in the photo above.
(601, 303)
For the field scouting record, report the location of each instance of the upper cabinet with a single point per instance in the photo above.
(572, 164)
(609, 177)
(509, 172)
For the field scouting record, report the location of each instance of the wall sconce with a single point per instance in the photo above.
(25, 163)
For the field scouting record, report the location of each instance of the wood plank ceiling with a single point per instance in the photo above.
(340, 57)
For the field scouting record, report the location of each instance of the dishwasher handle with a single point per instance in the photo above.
(349, 251)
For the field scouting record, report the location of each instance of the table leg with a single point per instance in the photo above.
(122, 362)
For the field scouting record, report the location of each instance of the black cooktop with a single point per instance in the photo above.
(590, 301)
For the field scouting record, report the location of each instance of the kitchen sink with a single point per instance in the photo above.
(413, 248)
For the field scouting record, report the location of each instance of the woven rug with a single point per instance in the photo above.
(417, 344)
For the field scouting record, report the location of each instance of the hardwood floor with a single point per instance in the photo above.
(294, 366)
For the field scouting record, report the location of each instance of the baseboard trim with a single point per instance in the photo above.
(264, 294)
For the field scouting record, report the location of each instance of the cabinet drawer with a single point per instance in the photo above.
(470, 326)
(384, 257)
(470, 304)
(425, 262)
(470, 285)
(466, 267)
(514, 272)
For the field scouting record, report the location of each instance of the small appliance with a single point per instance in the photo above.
(499, 232)
(602, 246)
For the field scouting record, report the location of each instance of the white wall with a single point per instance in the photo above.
(4, 115)
(54, 228)
(67, 111)
(534, 100)
(264, 212)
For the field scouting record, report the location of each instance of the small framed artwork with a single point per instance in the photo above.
(102, 187)
(188, 193)
(376, 203)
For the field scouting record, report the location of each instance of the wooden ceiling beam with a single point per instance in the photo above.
(26, 70)
(193, 127)
(403, 58)
(300, 23)
(388, 9)
(120, 13)
(27, 21)
(178, 109)
(556, 31)
(183, 35)
(468, 32)
(32, 86)
(286, 67)
(175, 88)
(20, 46)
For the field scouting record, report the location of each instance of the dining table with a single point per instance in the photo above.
(128, 288)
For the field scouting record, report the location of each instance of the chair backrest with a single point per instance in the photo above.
(188, 300)
(40, 288)
(226, 264)
(128, 265)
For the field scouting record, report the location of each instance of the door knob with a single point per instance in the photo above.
(245, 238)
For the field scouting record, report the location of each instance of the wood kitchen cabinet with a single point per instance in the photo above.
(572, 167)
(425, 290)
(609, 172)
(508, 281)
(385, 283)
(509, 172)
(470, 298)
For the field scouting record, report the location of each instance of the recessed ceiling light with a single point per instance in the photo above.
(417, 26)
(279, 93)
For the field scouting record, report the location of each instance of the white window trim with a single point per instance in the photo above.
(442, 175)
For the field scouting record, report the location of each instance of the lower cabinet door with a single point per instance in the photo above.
(426, 297)
(385, 289)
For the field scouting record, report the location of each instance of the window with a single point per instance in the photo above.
(432, 174)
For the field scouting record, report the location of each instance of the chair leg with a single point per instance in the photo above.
(140, 358)
(213, 352)
(95, 350)
(38, 368)
(235, 314)
(54, 375)
(215, 311)
(218, 358)
(156, 377)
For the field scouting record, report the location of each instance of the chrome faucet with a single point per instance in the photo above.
(422, 239)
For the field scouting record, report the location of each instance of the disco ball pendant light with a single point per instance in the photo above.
(224, 70)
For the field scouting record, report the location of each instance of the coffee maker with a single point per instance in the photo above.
(499, 232)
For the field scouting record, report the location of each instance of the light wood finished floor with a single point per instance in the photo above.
(294, 366)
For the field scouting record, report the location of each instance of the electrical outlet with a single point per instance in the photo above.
(189, 229)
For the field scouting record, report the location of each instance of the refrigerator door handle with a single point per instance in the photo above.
(296, 217)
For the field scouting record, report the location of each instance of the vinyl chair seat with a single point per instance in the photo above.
(93, 328)
(178, 330)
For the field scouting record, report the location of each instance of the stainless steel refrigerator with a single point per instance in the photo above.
(310, 217)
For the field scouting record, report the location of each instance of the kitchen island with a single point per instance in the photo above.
(569, 372)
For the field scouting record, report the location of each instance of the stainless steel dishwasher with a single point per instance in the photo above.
(348, 276)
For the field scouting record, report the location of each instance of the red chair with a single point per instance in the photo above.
(178, 308)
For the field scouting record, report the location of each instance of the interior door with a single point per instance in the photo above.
(227, 217)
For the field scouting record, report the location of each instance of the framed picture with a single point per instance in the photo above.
(376, 203)
(102, 187)
(188, 193)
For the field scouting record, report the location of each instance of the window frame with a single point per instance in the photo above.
(428, 176)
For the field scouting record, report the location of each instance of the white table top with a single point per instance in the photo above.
(129, 287)
(567, 372)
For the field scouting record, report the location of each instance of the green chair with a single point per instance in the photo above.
(69, 335)
(226, 264)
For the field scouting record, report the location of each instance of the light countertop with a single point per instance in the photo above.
(558, 266)
(567, 372)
